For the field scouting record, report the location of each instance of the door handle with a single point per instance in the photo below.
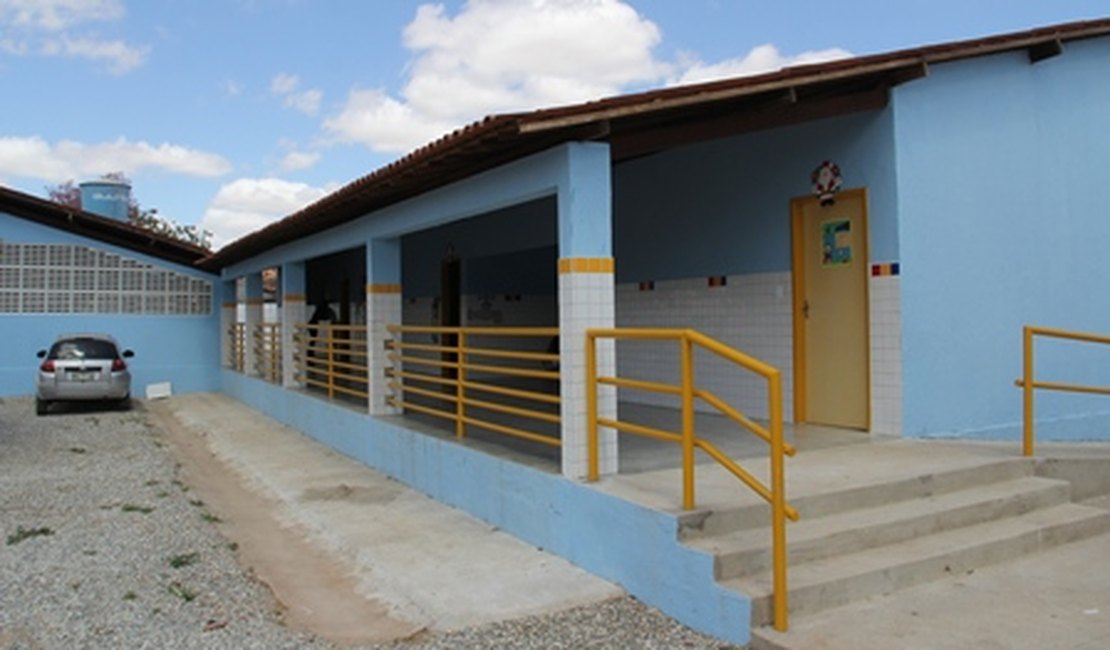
(805, 309)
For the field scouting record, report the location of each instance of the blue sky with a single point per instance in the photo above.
(231, 113)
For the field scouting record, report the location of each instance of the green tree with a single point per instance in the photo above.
(69, 194)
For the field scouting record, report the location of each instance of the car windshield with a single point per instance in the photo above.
(83, 348)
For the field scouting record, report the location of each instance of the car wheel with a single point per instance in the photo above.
(124, 404)
(40, 406)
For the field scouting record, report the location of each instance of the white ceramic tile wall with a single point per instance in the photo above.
(751, 313)
(384, 309)
(585, 301)
(293, 311)
(886, 355)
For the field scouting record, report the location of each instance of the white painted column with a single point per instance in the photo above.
(254, 301)
(586, 300)
(383, 308)
(294, 310)
(229, 302)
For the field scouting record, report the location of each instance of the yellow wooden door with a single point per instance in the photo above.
(832, 351)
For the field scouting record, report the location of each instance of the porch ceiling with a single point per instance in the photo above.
(644, 123)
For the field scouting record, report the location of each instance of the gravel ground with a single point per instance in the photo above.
(105, 547)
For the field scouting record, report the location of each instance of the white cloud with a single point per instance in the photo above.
(763, 58)
(307, 102)
(497, 56)
(55, 15)
(44, 27)
(119, 57)
(286, 85)
(33, 157)
(248, 204)
(297, 160)
(283, 84)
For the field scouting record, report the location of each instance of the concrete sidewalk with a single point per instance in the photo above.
(431, 565)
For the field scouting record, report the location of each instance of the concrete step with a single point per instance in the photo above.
(855, 496)
(834, 581)
(748, 552)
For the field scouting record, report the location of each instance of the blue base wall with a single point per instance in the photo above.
(630, 545)
(181, 350)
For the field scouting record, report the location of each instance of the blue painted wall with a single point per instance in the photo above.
(501, 235)
(1003, 206)
(723, 207)
(183, 350)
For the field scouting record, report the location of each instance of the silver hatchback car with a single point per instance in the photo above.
(83, 367)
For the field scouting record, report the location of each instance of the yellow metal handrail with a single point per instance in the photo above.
(450, 369)
(1027, 383)
(334, 358)
(775, 494)
(237, 334)
(267, 351)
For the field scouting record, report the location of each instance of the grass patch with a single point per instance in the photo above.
(131, 595)
(196, 502)
(210, 518)
(131, 507)
(182, 560)
(79, 450)
(182, 592)
(22, 533)
(152, 482)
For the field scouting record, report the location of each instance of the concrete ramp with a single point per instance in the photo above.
(433, 566)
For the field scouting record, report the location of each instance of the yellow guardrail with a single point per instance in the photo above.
(333, 358)
(267, 351)
(1027, 383)
(774, 494)
(238, 346)
(454, 371)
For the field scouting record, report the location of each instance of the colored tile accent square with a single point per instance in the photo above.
(718, 281)
(884, 269)
(647, 286)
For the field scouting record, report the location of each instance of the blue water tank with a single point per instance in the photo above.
(107, 198)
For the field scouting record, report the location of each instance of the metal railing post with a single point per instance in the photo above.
(460, 390)
(687, 423)
(329, 344)
(592, 471)
(778, 502)
(1027, 390)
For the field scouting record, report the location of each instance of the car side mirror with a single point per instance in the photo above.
(40, 354)
(127, 354)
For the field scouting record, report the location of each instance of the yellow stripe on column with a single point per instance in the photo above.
(383, 288)
(293, 297)
(586, 265)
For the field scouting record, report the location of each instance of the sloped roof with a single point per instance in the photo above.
(94, 226)
(642, 123)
